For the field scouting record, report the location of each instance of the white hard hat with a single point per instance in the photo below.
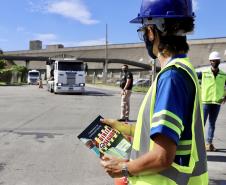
(214, 56)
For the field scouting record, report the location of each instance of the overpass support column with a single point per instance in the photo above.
(105, 72)
(27, 63)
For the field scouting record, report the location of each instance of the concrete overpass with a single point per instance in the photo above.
(95, 55)
(28, 59)
(133, 54)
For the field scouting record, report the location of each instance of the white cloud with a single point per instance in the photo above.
(73, 9)
(37, 5)
(46, 37)
(195, 5)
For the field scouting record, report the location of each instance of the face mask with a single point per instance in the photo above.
(149, 47)
(215, 64)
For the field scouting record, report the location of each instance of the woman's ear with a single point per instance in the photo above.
(165, 53)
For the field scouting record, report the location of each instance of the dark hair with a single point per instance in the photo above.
(125, 66)
(169, 40)
(175, 25)
(173, 44)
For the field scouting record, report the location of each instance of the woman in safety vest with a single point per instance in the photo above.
(168, 140)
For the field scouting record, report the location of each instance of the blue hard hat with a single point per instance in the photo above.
(164, 9)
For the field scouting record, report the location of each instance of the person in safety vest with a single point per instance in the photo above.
(213, 81)
(168, 140)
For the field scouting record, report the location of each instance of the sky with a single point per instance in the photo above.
(83, 22)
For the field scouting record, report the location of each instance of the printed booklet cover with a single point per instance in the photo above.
(103, 139)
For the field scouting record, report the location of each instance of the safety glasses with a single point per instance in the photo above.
(143, 32)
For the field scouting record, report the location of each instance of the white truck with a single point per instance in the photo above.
(66, 76)
(33, 77)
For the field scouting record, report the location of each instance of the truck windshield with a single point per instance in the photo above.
(70, 66)
(34, 74)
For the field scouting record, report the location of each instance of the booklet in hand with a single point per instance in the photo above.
(103, 139)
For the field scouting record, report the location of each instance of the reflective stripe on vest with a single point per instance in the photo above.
(184, 147)
(195, 147)
(169, 119)
(213, 87)
(144, 117)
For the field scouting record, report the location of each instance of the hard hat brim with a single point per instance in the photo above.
(137, 20)
(216, 58)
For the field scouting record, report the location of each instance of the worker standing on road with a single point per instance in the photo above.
(168, 139)
(126, 85)
(40, 84)
(213, 95)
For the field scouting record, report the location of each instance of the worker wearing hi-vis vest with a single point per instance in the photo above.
(213, 95)
(168, 140)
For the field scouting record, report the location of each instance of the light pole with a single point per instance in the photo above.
(106, 57)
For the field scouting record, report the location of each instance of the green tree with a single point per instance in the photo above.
(2, 64)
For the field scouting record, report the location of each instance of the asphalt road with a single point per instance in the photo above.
(38, 136)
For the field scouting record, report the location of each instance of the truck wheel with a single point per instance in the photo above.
(54, 91)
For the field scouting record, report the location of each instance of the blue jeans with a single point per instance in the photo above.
(211, 110)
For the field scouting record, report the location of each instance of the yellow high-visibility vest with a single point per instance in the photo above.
(196, 171)
(213, 87)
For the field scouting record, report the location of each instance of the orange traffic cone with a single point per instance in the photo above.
(121, 181)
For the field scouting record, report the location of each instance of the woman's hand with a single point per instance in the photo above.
(112, 166)
(124, 128)
(111, 122)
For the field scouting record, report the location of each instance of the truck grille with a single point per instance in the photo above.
(70, 78)
(33, 80)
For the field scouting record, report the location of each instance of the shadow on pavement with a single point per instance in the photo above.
(38, 135)
(216, 158)
(96, 93)
(6, 85)
(217, 182)
(87, 93)
(221, 150)
(2, 166)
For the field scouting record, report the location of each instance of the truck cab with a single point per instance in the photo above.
(66, 76)
(33, 77)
